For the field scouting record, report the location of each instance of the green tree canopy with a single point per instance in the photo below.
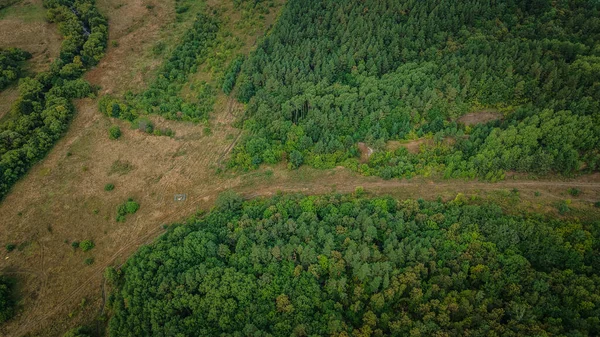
(340, 265)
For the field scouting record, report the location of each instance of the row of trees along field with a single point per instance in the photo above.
(43, 109)
(343, 265)
(333, 73)
(162, 96)
(208, 45)
(11, 61)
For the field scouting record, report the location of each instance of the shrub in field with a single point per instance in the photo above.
(86, 245)
(129, 207)
(114, 132)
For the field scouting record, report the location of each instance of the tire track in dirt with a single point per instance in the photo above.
(33, 321)
(230, 104)
(317, 186)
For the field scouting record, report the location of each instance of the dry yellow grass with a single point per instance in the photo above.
(22, 25)
(62, 198)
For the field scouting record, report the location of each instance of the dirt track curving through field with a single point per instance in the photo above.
(317, 182)
(62, 199)
(65, 194)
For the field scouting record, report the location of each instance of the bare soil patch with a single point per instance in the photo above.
(413, 146)
(480, 117)
(365, 152)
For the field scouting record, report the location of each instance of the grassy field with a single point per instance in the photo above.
(63, 198)
(23, 25)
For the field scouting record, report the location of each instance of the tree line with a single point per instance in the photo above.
(346, 265)
(162, 96)
(331, 74)
(11, 60)
(43, 109)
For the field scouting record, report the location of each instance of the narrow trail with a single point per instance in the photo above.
(231, 102)
(97, 272)
(320, 185)
(428, 188)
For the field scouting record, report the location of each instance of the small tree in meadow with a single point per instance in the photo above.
(86, 245)
(114, 132)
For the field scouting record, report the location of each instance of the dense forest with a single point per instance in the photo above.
(43, 109)
(342, 265)
(333, 73)
(11, 60)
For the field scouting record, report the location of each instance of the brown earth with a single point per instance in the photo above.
(413, 146)
(62, 199)
(480, 117)
(365, 152)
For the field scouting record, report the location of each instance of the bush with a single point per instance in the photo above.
(231, 74)
(229, 201)
(574, 191)
(111, 275)
(89, 261)
(109, 187)
(145, 125)
(129, 207)
(86, 245)
(10, 247)
(563, 208)
(296, 159)
(114, 132)
(11, 60)
(75, 244)
(158, 48)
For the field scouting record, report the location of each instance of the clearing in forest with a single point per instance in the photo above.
(480, 117)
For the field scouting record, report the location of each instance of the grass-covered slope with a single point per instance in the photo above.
(351, 266)
(333, 73)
